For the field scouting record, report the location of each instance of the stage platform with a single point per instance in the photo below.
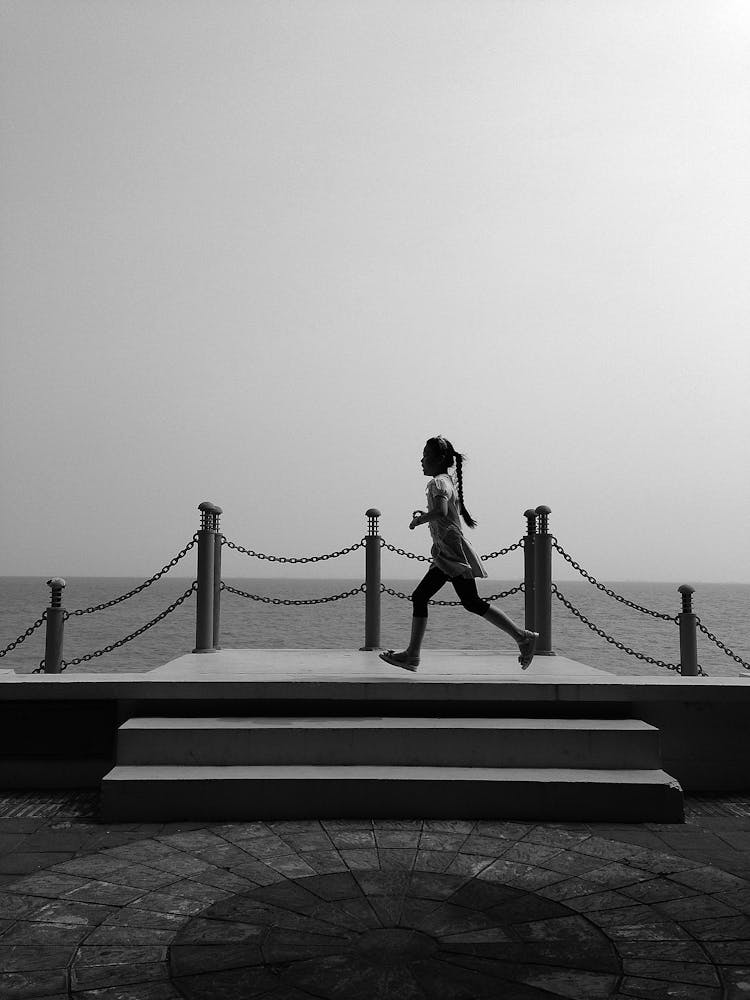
(60, 730)
(355, 675)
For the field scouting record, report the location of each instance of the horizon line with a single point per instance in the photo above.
(353, 579)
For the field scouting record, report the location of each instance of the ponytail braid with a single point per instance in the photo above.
(461, 505)
(448, 454)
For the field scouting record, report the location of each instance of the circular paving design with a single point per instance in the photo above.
(374, 910)
(374, 935)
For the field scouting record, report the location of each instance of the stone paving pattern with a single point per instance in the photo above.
(364, 910)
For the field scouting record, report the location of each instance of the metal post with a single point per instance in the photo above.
(688, 633)
(204, 616)
(372, 581)
(218, 537)
(543, 583)
(53, 647)
(528, 569)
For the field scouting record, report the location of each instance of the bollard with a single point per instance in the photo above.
(543, 583)
(372, 581)
(204, 615)
(53, 647)
(688, 633)
(528, 569)
(218, 539)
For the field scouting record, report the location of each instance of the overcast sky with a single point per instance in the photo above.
(258, 251)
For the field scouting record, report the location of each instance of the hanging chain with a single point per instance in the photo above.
(615, 642)
(607, 590)
(503, 552)
(412, 555)
(157, 576)
(452, 604)
(22, 638)
(133, 635)
(402, 552)
(288, 602)
(292, 559)
(720, 644)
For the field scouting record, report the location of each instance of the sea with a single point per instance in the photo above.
(724, 608)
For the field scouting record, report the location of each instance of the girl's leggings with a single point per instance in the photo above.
(434, 579)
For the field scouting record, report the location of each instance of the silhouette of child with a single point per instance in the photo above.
(453, 558)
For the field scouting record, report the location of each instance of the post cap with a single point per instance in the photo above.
(56, 583)
(211, 508)
(372, 512)
(685, 588)
(543, 509)
(530, 512)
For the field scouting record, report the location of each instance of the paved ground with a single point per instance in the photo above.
(359, 910)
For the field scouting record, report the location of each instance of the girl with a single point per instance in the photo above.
(452, 557)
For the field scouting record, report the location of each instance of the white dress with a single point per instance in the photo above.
(451, 553)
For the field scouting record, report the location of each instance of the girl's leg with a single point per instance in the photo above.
(430, 584)
(470, 599)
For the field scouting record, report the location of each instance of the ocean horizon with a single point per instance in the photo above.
(724, 608)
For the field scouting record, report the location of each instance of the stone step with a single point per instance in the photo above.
(166, 793)
(467, 742)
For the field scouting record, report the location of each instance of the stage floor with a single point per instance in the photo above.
(356, 675)
(360, 665)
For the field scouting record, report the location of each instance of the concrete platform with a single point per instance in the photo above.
(337, 674)
(61, 729)
(346, 664)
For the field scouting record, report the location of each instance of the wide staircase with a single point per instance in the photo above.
(481, 768)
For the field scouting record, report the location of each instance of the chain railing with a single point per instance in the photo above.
(504, 552)
(56, 615)
(292, 559)
(452, 604)
(722, 647)
(412, 555)
(615, 642)
(137, 590)
(402, 552)
(686, 620)
(537, 588)
(24, 635)
(372, 587)
(607, 590)
(289, 602)
(64, 664)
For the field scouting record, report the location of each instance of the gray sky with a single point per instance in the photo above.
(258, 252)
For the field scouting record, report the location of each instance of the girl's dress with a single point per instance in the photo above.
(451, 553)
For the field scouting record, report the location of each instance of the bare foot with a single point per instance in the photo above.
(401, 660)
(526, 646)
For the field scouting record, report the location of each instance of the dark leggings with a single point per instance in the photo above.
(434, 579)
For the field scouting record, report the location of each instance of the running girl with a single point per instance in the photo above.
(453, 558)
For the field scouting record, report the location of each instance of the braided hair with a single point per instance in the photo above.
(448, 455)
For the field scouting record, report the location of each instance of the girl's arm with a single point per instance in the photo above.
(421, 517)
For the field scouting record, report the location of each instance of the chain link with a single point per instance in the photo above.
(133, 635)
(22, 638)
(157, 576)
(412, 555)
(451, 604)
(292, 559)
(626, 649)
(503, 552)
(402, 552)
(720, 644)
(607, 590)
(289, 602)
